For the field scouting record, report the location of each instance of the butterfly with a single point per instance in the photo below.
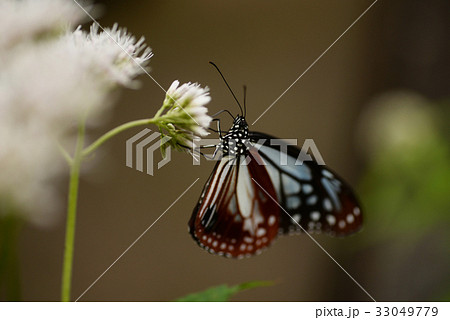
(259, 190)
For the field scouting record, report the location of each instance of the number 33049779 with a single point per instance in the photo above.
(406, 311)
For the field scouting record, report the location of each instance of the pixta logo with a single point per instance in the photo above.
(144, 149)
(141, 147)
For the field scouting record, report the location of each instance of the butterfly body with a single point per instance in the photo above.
(251, 196)
(236, 141)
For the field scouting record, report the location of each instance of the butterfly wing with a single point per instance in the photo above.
(314, 196)
(234, 217)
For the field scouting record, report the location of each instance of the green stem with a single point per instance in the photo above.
(115, 131)
(71, 214)
(160, 111)
(65, 154)
(75, 165)
(9, 259)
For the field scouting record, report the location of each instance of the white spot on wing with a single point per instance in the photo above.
(312, 200)
(331, 219)
(257, 216)
(293, 202)
(249, 226)
(327, 204)
(260, 232)
(350, 218)
(315, 215)
(307, 188)
(271, 221)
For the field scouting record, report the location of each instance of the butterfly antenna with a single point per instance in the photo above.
(229, 88)
(245, 103)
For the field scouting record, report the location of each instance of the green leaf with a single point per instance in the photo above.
(223, 292)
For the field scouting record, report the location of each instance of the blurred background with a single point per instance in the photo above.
(376, 106)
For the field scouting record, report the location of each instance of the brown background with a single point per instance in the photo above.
(265, 45)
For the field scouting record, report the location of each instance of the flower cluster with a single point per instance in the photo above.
(50, 77)
(27, 20)
(186, 119)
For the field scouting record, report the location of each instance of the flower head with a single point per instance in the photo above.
(116, 54)
(29, 20)
(50, 76)
(187, 103)
(187, 117)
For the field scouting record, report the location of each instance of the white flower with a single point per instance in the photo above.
(186, 119)
(30, 19)
(187, 103)
(114, 51)
(51, 76)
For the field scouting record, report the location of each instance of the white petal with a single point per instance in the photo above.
(173, 87)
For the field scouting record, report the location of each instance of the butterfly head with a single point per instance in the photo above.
(236, 141)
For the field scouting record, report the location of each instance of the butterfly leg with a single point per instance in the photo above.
(219, 131)
(196, 152)
(209, 146)
(222, 111)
